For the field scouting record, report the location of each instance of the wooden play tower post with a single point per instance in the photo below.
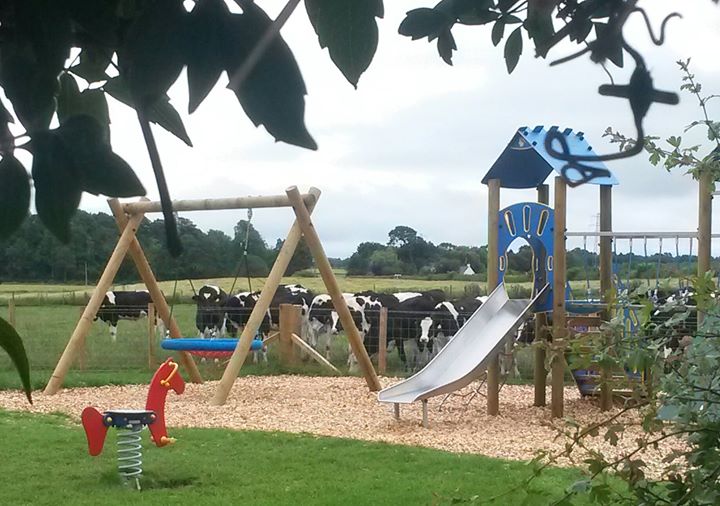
(493, 369)
(539, 372)
(704, 227)
(606, 283)
(559, 316)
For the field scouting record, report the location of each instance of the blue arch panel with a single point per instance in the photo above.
(534, 223)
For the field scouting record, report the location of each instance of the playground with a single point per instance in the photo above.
(342, 408)
(456, 403)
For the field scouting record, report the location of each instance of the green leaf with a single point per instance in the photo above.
(273, 94)
(506, 5)
(160, 112)
(513, 49)
(30, 85)
(205, 49)
(539, 25)
(152, 57)
(96, 20)
(70, 102)
(11, 342)
(446, 45)
(668, 412)
(14, 195)
(58, 185)
(94, 61)
(349, 30)
(424, 22)
(101, 170)
(498, 30)
(7, 139)
(580, 486)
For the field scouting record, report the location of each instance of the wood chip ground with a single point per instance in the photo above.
(343, 407)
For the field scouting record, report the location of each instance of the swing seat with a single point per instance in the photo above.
(207, 348)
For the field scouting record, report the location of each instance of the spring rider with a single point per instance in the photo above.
(131, 422)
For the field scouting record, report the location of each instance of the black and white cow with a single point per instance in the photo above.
(211, 302)
(445, 324)
(323, 321)
(239, 307)
(410, 326)
(237, 312)
(123, 305)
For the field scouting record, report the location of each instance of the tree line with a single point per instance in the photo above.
(34, 254)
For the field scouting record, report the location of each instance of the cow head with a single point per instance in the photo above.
(427, 332)
(445, 319)
(210, 316)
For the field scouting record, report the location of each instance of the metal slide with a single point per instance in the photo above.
(466, 355)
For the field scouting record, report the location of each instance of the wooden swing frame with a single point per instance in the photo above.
(129, 216)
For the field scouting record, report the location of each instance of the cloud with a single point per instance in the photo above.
(412, 143)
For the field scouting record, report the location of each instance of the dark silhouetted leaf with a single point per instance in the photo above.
(539, 25)
(97, 18)
(579, 29)
(446, 45)
(12, 344)
(513, 49)
(93, 63)
(161, 112)
(349, 30)
(70, 102)
(45, 24)
(7, 140)
(498, 30)
(506, 5)
(101, 170)
(58, 184)
(205, 49)
(151, 56)
(606, 46)
(424, 22)
(474, 12)
(29, 85)
(273, 94)
(14, 195)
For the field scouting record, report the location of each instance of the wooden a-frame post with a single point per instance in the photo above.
(127, 242)
(302, 226)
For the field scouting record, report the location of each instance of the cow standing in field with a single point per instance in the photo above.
(239, 307)
(323, 322)
(211, 302)
(123, 305)
(410, 325)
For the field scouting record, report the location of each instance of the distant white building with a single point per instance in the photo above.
(468, 271)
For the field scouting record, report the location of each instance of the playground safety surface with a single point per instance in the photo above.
(343, 407)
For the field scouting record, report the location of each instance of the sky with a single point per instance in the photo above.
(411, 145)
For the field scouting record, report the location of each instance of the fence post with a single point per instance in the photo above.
(151, 336)
(82, 354)
(11, 310)
(382, 345)
(289, 324)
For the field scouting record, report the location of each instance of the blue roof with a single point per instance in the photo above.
(526, 164)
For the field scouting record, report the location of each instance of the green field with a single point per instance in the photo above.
(45, 462)
(40, 294)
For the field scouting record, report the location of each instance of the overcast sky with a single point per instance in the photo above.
(412, 143)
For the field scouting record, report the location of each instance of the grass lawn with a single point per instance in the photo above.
(45, 461)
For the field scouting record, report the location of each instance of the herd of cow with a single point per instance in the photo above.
(419, 324)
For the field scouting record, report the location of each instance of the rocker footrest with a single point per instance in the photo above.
(126, 417)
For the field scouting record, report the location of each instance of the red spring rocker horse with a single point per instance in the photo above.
(96, 424)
